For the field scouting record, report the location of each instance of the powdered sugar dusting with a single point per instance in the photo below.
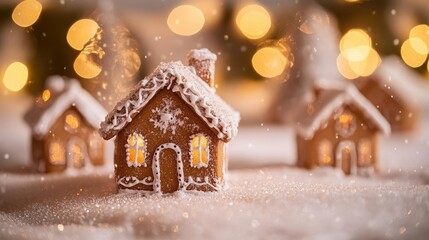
(178, 78)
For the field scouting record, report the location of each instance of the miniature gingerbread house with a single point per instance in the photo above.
(392, 90)
(64, 123)
(172, 130)
(339, 129)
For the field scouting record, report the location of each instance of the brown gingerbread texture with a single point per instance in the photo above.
(340, 129)
(172, 130)
(64, 123)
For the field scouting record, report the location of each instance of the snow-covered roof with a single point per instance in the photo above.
(331, 100)
(64, 94)
(396, 77)
(183, 81)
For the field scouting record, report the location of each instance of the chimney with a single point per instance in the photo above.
(204, 63)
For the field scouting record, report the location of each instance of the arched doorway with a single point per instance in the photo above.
(345, 157)
(168, 159)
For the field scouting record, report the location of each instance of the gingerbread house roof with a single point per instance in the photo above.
(183, 81)
(307, 123)
(394, 76)
(64, 94)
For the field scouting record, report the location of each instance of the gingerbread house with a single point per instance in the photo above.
(339, 129)
(172, 130)
(392, 89)
(64, 122)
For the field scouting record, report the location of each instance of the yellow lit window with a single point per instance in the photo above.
(200, 151)
(345, 124)
(325, 153)
(364, 153)
(72, 121)
(136, 148)
(56, 154)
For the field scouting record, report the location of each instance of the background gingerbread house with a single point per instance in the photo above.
(393, 89)
(172, 130)
(64, 122)
(339, 129)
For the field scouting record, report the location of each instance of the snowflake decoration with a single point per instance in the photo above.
(166, 117)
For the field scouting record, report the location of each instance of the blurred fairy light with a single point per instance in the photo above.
(254, 21)
(81, 32)
(85, 67)
(46, 95)
(15, 76)
(269, 62)
(357, 57)
(356, 45)
(26, 13)
(415, 49)
(185, 20)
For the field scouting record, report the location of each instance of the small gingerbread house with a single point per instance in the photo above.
(172, 130)
(64, 122)
(392, 89)
(339, 129)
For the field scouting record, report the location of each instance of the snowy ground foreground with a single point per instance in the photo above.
(264, 203)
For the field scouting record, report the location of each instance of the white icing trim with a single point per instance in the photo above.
(198, 182)
(156, 166)
(131, 181)
(136, 147)
(175, 77)
(200, 150)
(202, 54)
(42, 118)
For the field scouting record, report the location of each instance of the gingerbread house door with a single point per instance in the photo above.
(77, 155)
(167, 167)
(345, 157)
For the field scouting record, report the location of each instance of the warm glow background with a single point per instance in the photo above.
(254, 41)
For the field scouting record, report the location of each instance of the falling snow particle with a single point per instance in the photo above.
(393, 12)
(396, 42)
(60, 227)
(226, 37)
(6, 156)
(228, 68)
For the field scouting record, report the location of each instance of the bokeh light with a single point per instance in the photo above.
(410, 56)
(15, 76)
(419, 45)
(85, 67)
(26, 13)
(269, 62)
(46, 95)
(186, 20)
(357, 57)
(356, 45)
(422, 32)
(344, 68)
(254, 21)
(81, 32)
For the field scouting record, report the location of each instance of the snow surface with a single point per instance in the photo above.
(263, 203)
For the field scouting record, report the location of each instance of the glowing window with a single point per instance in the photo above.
(364, 153)
(77, 156)
(56, 154)
(136, 149)
(72, 122)
(325, 153)
(200, 151)
(345, 124)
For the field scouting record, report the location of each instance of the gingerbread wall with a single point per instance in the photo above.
(187, 125)
(402, 117)
(308, 149)
(59, 134)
